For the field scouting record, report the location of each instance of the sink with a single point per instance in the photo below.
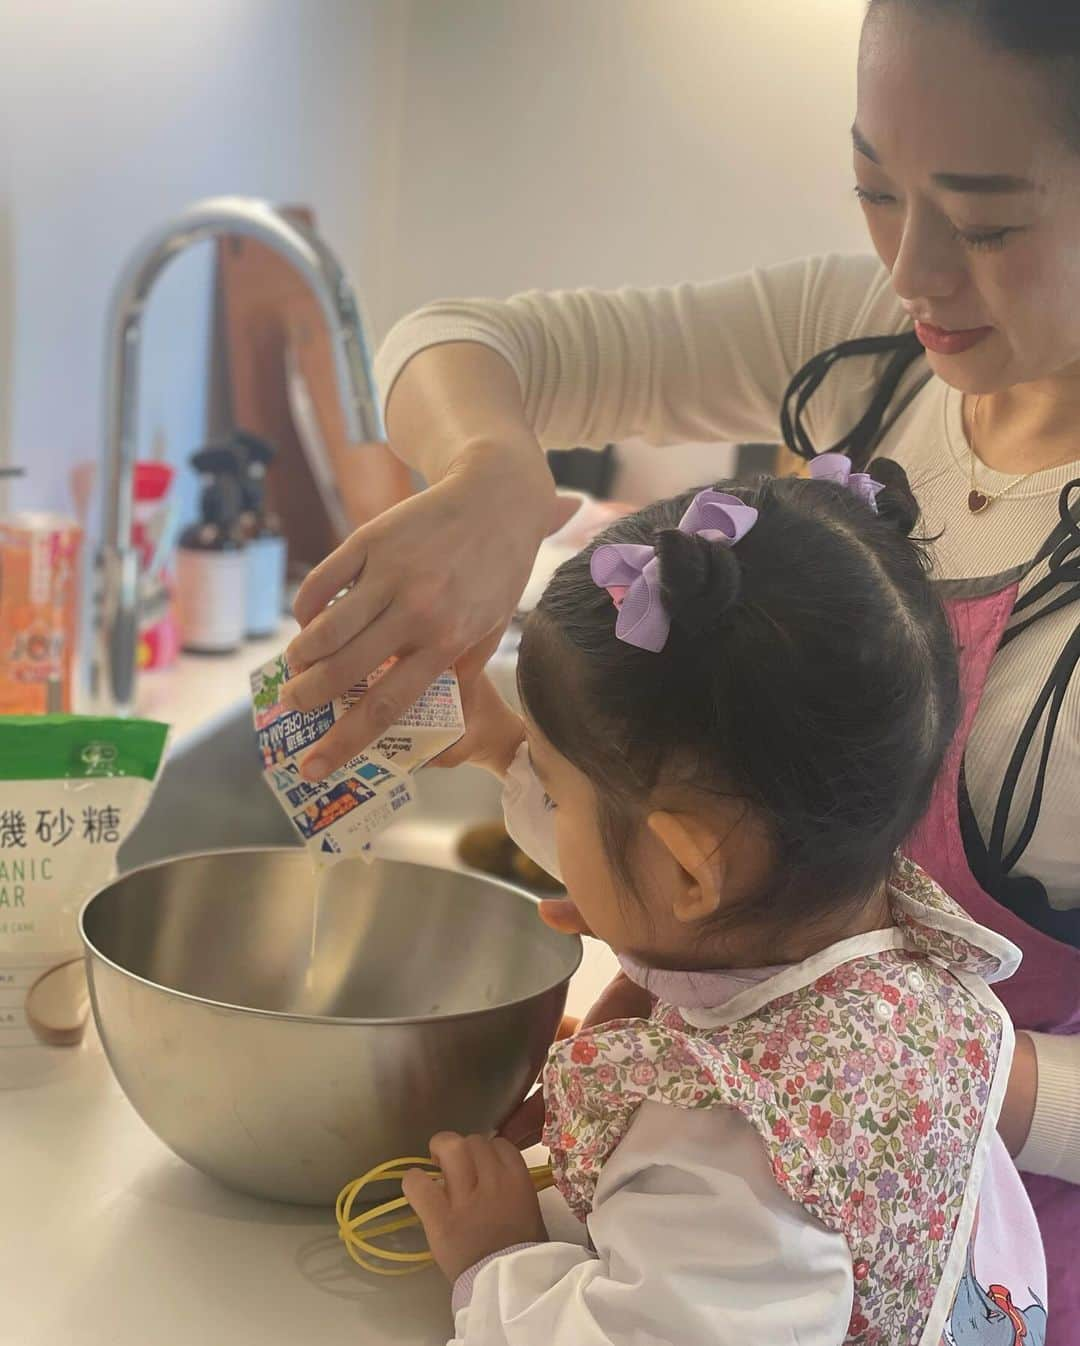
(211, 796)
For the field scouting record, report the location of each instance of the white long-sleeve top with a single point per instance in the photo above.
(711, 362)
(694, 1244)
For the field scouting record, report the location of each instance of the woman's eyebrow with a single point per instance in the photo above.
(968, 184)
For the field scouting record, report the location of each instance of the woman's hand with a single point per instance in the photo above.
(432, 578)
(1014, 1120)
(484, 1203)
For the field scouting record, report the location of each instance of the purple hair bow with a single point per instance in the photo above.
(837, 467)
(630, 572)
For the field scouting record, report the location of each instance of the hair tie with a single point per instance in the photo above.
(837, 467)
(630, 572)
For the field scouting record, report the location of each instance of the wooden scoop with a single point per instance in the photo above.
(58, 1005)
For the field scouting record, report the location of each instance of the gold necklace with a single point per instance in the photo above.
(978, 501)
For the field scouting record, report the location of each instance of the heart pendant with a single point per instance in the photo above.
(977, 501)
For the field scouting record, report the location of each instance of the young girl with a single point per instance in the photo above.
(736, 705)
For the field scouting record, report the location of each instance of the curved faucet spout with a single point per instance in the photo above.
(113, 663)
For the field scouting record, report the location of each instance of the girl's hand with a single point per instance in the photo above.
(484, 1204)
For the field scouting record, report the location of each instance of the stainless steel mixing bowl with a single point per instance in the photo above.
(284, 1030)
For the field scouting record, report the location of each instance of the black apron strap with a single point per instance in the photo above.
(863, 438)
(1059, 588)
(1062, 548)
(1046, 710)
(991, 864)
(1024, 896)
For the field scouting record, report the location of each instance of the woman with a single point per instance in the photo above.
(967, 162)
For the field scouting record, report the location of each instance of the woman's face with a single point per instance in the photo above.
(972, 196)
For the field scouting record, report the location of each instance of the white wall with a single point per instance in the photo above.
(608, 142)
(611, 142)
(113, 115)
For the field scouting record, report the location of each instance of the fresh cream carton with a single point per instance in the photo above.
(342, 815)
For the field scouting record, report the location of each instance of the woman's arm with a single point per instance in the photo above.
(705, 362)
(458, 402)
(435, 580)
(477, 389)
(1014, 1120)
(695, 1243)
(1040, 1122)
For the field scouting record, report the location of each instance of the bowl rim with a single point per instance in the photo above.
(92, 952)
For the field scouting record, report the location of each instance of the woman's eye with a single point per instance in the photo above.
(979, 240)
(549, 803)
(869, 198)
(988, 240)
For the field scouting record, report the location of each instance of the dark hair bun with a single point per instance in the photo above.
(700, 580)
(896, 502)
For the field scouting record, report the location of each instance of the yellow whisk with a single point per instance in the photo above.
(358, 1231)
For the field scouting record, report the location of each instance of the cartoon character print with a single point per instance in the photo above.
(988, 1317)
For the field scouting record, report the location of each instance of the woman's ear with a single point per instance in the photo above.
(699, 856)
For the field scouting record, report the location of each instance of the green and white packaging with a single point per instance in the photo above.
(72, 788)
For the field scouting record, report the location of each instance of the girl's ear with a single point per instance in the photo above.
(701, 861)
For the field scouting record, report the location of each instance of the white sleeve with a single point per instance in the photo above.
(700, 363)
(1053, 1143)
(695, 1244)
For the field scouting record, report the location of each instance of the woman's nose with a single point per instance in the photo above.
(927, 265)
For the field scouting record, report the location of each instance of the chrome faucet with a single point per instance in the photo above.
(113, 662)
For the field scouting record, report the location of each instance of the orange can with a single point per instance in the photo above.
(39, 612)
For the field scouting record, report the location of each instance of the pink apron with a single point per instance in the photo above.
(1044, 995)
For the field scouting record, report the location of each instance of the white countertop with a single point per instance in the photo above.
(107, 1239)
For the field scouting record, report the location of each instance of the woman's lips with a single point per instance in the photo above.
(944, 341)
